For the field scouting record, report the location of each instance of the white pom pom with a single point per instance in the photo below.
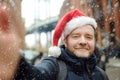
(54, 51)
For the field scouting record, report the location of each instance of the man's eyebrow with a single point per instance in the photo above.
(90, 34)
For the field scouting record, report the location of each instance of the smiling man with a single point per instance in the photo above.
(77, 32)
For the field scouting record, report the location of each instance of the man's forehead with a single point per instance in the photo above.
(85, 28)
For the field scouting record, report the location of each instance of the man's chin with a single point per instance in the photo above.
(82, 54)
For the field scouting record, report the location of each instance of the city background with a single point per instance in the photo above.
(41, 16)
(106, 12)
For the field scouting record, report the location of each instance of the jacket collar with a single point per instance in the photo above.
(76, 64)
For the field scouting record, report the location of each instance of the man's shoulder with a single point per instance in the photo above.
(100, 73)
(99, 70)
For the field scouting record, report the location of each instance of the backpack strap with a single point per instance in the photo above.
(103, 73)
(62, 70)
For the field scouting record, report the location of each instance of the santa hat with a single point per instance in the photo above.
(66, 24)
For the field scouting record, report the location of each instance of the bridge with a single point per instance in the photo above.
(43, 26)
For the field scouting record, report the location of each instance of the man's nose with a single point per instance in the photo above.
(82, 40)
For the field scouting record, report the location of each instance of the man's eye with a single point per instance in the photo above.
(89, 37)
(75, 36)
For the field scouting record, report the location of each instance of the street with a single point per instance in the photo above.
(113, 69)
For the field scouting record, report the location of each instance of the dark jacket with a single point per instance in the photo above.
(77, 68)
(43, 71)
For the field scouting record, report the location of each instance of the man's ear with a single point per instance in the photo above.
(65, 42)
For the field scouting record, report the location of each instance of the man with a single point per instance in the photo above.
(76, 53)
(77, 32)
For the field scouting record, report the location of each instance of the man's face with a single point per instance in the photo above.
(81, 41)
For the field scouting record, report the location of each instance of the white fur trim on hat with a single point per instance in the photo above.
(54, 51)
(78, 22)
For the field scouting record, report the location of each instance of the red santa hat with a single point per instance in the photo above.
(66, 24)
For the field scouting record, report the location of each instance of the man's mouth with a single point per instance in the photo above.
(81, 48)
